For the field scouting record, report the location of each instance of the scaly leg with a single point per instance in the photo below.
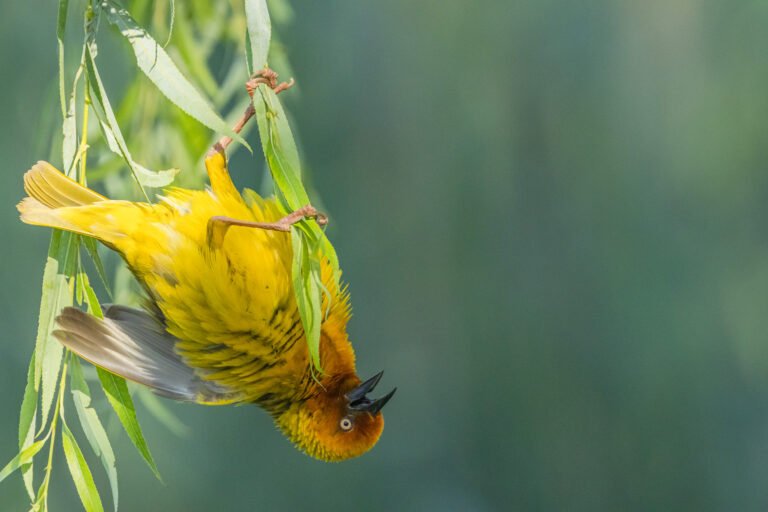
(219, 225)
(217, 172)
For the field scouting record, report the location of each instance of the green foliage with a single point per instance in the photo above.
(81, 473)
(308, 240)
(167, 120)
(160, 69)
(92, 426)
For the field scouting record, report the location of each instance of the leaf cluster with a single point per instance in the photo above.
(168, 116)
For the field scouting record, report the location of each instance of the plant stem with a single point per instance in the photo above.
(43, 491)
(84, 137)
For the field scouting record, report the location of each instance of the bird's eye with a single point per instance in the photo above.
(345, 424)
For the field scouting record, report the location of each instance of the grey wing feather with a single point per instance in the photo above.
(135, 345)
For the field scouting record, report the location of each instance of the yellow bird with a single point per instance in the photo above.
(222, 326)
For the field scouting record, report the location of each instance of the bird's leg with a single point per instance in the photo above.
(219, 225)
(265, 76)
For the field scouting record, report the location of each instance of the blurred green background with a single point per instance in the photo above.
(552, 215)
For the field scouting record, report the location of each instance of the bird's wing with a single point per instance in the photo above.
(134, 344)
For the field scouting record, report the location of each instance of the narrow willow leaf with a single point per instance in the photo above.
(81, 395)
(69, 141)
(41, 500)
(259, 31)
(279, 148)
(61, 28)
(69, 147)
(56, 295)
(173, 20)
(92, 426)
(111, 129)
(90, 296)
(156, 179)
(248, 53)
(161, 70)
(307, 293)
(309, 241)
(24, 457)
(93, 252)
(117, 393)
(81, 473)
(27, 425)
(148, 178)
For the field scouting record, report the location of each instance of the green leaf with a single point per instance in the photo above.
(61, 28)
(22, 458)
(69, 126)
(56, 295)
(112, 133)
(93, 252)
(92, 426)
(309, 241)
(279, 148)
(81, 473)
(161, 70)
(259, 32)
(173, 19)
(117, 393)
(248, 53)
(28, 424)
(305, 272)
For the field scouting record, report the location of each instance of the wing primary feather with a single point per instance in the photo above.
(134, 344)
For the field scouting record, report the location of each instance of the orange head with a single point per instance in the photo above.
(339, 422)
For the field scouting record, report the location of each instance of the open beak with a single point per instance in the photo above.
(358, 401)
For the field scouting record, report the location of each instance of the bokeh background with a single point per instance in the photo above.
(552, 215)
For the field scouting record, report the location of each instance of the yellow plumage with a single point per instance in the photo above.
(224, 326)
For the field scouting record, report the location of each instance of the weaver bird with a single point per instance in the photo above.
(222, 325)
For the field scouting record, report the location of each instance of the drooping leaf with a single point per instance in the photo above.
(92, 426)
(56, 295)
(112, 133)
(153, 60)
(307, 293)
(279, 148)
(28, 424)
(93, 252)
(81, 394)
(81, 473)
(171, 23)
(23, 457)
(309, 241)
(259, 32)
(248, 53)
(117, 393)
(61, 28)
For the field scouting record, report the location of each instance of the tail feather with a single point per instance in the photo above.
(55, 190)
(60, 202)
(38, 214)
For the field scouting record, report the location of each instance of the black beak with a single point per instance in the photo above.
(359, 402)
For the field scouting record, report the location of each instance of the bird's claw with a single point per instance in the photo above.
(267, 77)
(305, 212)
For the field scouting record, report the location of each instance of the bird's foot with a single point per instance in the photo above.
(305, 212)
(267, 77)
(219, 225)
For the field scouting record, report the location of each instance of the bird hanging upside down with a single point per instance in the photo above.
(222, 326)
